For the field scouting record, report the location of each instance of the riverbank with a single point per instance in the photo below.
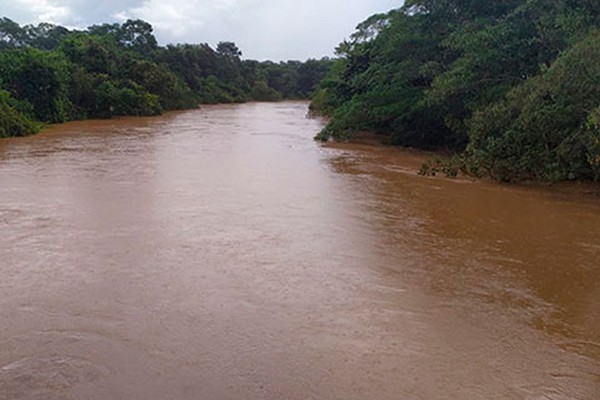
(420, 162)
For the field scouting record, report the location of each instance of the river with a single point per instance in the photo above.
(221, 253)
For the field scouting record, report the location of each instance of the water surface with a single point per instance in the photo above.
(221, 253)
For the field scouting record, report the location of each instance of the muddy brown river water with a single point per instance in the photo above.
(221, 253)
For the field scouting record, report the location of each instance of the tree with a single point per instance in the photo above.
(310, 74)
(44, 36)
(52, 74)
(11, 34)
(14, 120)
(137, 35)
(228, 49)
(38, 78)
(95, 54)
(546, 128)
(488, 76)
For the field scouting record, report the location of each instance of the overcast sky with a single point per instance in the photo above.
(262, 29)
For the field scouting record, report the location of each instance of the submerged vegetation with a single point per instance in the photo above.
(512, 87)
(51, 74)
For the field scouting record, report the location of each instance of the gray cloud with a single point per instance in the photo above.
(263, 29)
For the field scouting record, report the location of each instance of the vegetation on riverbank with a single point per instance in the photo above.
(511, 87)
(51, 74)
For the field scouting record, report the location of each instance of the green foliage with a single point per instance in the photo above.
(324, 102)
(228, 49)
(310, 74)
(137, 35)
(126, 98)
(592, 143)
(220, 76)
(44, 36)
(93, 53)
(262, 92)
(52, 74)
(38, 77)
(216, 91)
(546, 128)
(513, 83)
(11, 34)
(13, 121)
(381, 81)
(157, 79)
(449, 168)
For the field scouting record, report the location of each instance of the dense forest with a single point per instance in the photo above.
(50, 74)
(511, 87)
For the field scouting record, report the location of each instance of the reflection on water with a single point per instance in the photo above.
(221, 253)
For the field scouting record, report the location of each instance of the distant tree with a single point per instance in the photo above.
(191, 63)
(137, 35)
(105, 30)
(44, 35)
(93, 53)
(310, 74)
(228, 49)
(52, 74)
(11, 33)
(159, 80)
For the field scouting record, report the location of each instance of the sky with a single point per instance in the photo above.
(263, 29)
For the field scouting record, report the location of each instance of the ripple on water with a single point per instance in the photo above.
(46, 378)
(222, 253)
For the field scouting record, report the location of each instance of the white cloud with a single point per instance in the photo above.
(263, 29)
(224, 4)
(178, 17)
(120, 16)
(47, 10)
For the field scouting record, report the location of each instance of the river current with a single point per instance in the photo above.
(221, 253)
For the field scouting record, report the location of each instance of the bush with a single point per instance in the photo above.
(40, 78)
(547, 128)
(14, 122)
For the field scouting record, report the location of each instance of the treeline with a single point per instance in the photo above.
(50, 74)
(512, 87)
